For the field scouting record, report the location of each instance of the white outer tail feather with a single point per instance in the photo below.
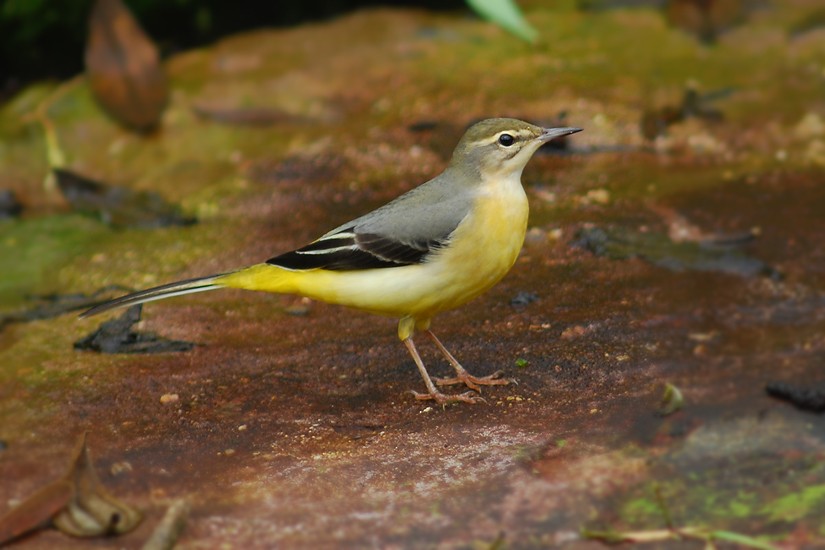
(179, 288)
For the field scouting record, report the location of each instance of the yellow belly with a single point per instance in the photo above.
(481, 251)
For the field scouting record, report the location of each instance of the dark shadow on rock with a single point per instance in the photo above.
(49, 306)
(805, 398)
(116, 336)
(119, 206)
(721, 254)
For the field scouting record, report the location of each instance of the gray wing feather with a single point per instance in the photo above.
(402, 232)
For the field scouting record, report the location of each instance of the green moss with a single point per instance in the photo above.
(32, 252)
(642, 511)
(723, 499)
(742, 506)
(798, 505)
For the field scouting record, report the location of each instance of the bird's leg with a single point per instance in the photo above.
(405, 331)
(432, 391)
(461, 374)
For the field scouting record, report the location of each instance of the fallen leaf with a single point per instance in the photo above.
(76, 504)
(36, 511)
(123, 67)
(672, 400)
(91, 510)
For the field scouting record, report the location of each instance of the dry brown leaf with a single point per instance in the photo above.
(76, 504)
(123, 67)
(35, 511)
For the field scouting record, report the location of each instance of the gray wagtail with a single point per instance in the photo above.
(433, 248)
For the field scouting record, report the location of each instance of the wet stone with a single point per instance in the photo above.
(49, 306)
(655, 122)
(10, 206)
(805, 398)
(523, 298)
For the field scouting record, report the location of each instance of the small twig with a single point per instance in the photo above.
(696, 533)
(676, 533)
(170, 527)
(657, 491)
(54, 154)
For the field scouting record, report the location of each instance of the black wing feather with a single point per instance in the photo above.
(347, 251)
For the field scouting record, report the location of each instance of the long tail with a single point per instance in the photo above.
(189, 286)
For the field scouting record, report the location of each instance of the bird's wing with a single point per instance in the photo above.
(403, 232)
(349, 250)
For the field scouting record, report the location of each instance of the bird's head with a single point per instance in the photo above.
(501, 147)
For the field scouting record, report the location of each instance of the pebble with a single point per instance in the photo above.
(167, 398)
(811, 126)
(815, 152)
(10, 207)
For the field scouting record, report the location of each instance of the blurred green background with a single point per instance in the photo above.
(45, 38)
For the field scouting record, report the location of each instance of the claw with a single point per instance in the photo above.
(475, 382)
(443, 399)
(461, 374)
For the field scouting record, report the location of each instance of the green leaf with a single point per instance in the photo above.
(672, 400)
(743, 540)
(505, 14)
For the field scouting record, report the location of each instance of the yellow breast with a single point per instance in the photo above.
(485, 245)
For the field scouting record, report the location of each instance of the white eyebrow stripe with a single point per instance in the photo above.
(523, 133)
(519, 133)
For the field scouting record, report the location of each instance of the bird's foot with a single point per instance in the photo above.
(443, 398)
(475, 382)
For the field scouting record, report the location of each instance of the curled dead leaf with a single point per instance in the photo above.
(77, 504)
(123, 67)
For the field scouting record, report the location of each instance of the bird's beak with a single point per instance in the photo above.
(552, 133)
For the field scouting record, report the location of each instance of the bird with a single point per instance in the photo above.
(432, 249)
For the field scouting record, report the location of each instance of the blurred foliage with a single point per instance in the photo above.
(507, 15)
(46, 38)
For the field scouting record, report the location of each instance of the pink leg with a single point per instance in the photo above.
(432, 391)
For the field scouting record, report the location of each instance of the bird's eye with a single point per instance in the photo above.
(506, 140)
